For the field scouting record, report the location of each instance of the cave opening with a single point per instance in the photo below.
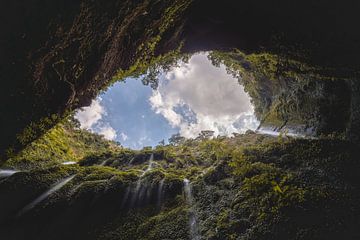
(295, 66)
(190, 98)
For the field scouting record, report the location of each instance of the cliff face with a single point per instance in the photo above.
(299, 63)
(247, 187)
(57, 56)
(291, 95)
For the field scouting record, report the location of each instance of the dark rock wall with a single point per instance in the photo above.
(249, 187)
(57, 56)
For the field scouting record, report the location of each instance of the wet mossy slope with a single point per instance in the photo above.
(299, 63)
(246, 187)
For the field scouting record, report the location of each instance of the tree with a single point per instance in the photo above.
(205, 134)
(176, 139)
(162, 143)
(72, 122)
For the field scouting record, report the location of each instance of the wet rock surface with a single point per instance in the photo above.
(251, 186)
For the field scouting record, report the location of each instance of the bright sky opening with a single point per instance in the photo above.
(190, 98)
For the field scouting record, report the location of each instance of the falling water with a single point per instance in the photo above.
(135, 194)
(137, 191)
(141, 193)
(131, 161)
(150, 166)
(194, 231)
(103, 163)
(148, 193)
(125, 198)
(69, 163)
(276, 133)
(4, 173)
(160, 193)
(55, 187)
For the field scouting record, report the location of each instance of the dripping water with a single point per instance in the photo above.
(131, 161)
(270, 132)
(194, 231)
(126, 196)
(69, 163)
(160, 193)
(139, 188)
(148, 193)
(54, 188)
(141, 192)
(4, 173)
(103, 163)
(149, 168)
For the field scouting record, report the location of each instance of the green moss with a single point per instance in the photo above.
(289, 93)
(169, 224)
(63, 143)
(147, 61)
(249, 187)
(279, 182)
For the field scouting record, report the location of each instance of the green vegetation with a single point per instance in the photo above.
(296, 189)
(147, 61)
(58, 56)
(75, 51)
(249, 186)
(65, 142)
(290, 94)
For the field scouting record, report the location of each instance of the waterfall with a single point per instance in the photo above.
(160, 193)
(139, 189)
(103, 163)
(142, 192)
(54, 188)
(135, 193)
(148, 193)
(277, 133)
(69, 163)
(131, 161)
(126, 196)
(150, 166)
(194, 231)
(4, 173)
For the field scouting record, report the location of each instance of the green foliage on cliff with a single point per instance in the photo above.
(73, 51)
(247, 187)
(147, 60)
(290, 93)
(296, 189)
(65, 142)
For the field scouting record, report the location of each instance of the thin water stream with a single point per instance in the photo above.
(69, 163)
(139, 189)
(194, 229)
(54, 188)
(4, 173)
(271, 132)
(160, 193)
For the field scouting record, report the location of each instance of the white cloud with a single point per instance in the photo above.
(108, 132)
(142, 141)
(166, 108)
(123, 136)
(216, 99)
(89, 116)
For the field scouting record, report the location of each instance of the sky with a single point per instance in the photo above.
(192, 97)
